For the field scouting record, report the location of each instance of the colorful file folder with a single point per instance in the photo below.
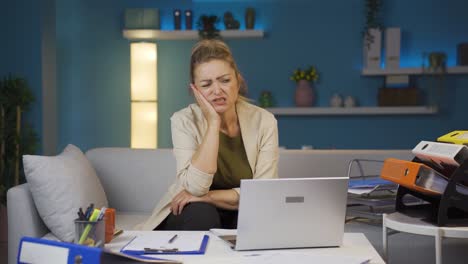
(416, 176)
(441, 155)
(43, 251)
(455, 137)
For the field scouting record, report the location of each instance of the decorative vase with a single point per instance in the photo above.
(177, 19)
(336, 100)
(437, 60)
(304, 94)
(188, 19)
(349, 101)
(249, 18)
(266, 99)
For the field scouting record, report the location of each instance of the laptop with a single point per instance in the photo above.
(290, 213)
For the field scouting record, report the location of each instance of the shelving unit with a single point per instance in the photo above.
(395, 110)
(150, 34)
(411, 71)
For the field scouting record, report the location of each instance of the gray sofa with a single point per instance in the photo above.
(135, 180)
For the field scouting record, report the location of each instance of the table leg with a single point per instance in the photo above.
(438, 246)
(385, 238)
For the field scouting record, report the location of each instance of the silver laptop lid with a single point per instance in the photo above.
(291, 213)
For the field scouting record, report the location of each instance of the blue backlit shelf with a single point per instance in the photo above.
(390, 110)
(411, 71)
(150, 34)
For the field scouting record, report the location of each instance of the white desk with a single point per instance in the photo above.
(354, 244)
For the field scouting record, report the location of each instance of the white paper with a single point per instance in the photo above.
(283, 257)
(360, 191)
(223, 232)
(160, 240)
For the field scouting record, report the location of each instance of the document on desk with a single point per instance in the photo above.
(367, 186)
(223, 232)
(284, 257)
(162, 242)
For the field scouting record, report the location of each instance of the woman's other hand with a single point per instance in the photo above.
(181, 200)
(209, 112)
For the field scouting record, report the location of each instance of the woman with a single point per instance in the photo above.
(217, 142)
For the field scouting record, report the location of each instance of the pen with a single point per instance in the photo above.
(101, 213)
(81, 214)
(118, 232)
(173, 238)
(160, 250)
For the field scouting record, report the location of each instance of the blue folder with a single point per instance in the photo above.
(37, 250)
(368, 183)
(200, 251)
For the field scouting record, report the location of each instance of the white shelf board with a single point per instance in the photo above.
(411, 71)
(150, 34)
(387, 110)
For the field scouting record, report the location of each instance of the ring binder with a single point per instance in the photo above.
(43, 251)
(448, 209)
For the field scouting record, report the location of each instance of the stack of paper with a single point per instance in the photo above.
(367, 185)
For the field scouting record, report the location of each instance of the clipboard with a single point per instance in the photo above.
(44, 251)
(154, 249)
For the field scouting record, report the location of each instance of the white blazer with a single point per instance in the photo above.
(260, 136)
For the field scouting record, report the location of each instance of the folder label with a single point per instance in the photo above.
(43, 254)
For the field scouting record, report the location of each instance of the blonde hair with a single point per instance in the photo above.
(213, 49)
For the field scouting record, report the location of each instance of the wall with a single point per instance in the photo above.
(20, 50)
(93, 68)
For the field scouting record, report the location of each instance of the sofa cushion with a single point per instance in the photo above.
(60, 185)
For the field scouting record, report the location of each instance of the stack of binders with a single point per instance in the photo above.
(438, 175)
(430, 172)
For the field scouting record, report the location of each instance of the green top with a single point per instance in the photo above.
(233, 164)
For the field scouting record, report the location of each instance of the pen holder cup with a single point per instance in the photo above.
(90, 233)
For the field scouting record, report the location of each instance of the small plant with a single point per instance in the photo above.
(16, 136)
(373, 20)
(207, 27)
(309, 74)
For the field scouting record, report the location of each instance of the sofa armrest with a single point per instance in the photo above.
(23, 219)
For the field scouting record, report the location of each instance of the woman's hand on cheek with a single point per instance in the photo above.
(208, 110)
(181, 200)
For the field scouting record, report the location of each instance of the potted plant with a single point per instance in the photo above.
(16, 137)
(305, 94)
(207, 27)
(372, 20)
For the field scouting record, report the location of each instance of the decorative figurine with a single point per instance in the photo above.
(230, 22)
(188, 19)
(177, 19)
(349, 101)
(336, 100)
